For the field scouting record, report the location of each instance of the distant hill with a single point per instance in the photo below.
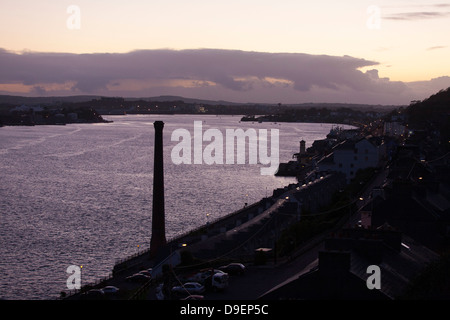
(186, 100)
(19, 100)
(56, 100)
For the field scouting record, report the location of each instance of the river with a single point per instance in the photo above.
(81, 194)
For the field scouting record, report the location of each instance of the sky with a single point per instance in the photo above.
(284, 51)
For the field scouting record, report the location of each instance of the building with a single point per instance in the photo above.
(350, 156)
(318, 192)
(341, 270)
(419, 209)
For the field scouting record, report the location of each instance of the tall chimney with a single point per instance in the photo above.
(158, 239)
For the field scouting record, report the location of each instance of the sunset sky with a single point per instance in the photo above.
(288, 51)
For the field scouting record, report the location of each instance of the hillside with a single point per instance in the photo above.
(432, 108)
(433, 116)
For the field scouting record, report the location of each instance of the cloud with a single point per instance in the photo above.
(233, 75)
(436, 48)
(419, 11)
(226, 68)
(421, 15)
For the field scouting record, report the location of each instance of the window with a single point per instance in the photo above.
(355, 158)
(340, 165)
(351, 165)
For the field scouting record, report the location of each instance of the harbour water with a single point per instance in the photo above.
(81, 194)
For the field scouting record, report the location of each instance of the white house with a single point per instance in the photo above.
(350, 156)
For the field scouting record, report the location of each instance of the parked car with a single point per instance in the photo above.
(110, 290)
(94, 294)
(189, 287)
(204, 274)
(138, 277)
(218, 281)
(146, 273)
(233, 268)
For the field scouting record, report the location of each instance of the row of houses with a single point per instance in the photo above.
(404, 228)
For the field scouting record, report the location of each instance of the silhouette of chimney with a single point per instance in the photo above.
(158, 239)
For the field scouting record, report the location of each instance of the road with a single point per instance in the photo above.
(259, 279)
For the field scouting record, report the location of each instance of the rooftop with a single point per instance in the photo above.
(340, 271)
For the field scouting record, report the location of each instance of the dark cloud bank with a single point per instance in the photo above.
(213, 74)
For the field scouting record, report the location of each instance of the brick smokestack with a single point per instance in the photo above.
(158, 239)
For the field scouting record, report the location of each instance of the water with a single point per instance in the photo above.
(81, 194)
